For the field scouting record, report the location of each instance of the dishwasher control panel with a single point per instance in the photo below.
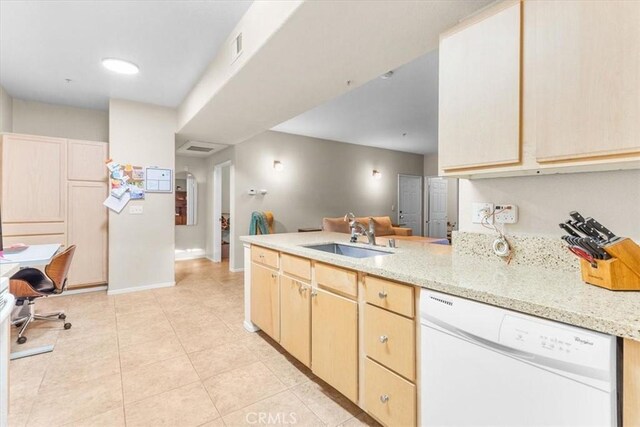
(559, 342)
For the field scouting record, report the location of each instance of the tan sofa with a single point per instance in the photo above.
(383, 226)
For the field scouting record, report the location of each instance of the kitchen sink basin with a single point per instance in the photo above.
(347, 250)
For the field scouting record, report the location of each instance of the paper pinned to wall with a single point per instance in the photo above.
(117, 204)
(159, 180)
(126, 178)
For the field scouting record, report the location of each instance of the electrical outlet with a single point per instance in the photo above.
(506, 214)
(479, 211)
(136, 209)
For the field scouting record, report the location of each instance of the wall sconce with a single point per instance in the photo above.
(376, 174)
(278, 166)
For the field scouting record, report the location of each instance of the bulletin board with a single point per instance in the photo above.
(159, 180)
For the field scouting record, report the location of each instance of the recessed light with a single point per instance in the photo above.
(120, 66)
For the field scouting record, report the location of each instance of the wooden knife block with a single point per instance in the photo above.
(620, 273)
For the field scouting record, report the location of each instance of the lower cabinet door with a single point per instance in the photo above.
(265, 300)
(388, 397)
(334, 341)
(87, 229)
(295, 319)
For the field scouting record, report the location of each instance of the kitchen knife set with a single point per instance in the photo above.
(587, 238)
(606, 260)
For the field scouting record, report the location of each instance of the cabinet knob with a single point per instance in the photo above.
(384, 398)
(382, 294)
(273, 275)
(314, 294)
(383, 339)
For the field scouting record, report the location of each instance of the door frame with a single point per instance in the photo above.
(217, 213)
(422, 214)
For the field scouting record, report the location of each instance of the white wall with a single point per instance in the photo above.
(226, 192)
(320, 179)
(6, 111)
(141, 247)
(613, 198)
(193, 237)
(431, 164)
(37, 118)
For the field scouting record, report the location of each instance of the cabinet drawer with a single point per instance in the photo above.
(33, 228)
(337, 279)
(43, 239)
(390, 340)
(264, 256)
(296, 266)
(390, 295)
(389, 398)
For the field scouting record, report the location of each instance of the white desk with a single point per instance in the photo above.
(32, 256)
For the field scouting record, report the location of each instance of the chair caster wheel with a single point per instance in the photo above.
(62, 316)
(67, 325)
(22, 340)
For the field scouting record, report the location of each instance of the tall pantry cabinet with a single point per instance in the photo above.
(52, 192)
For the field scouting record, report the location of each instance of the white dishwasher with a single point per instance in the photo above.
(486, 366)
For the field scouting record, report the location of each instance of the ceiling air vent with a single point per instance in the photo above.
(200, 149)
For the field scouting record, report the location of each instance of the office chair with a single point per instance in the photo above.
(29, 284)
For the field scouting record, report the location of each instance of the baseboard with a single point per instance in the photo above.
(140, 288)
(83, 290)
(236, 270)
(181, 256)
(250, 326)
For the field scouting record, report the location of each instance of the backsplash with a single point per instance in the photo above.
(538, 251)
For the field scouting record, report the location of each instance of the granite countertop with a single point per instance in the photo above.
(544, 292)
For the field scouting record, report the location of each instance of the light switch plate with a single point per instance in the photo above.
(136, 209)
(506, 214)
(479, 210)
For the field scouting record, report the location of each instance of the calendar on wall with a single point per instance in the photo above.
(159, 180)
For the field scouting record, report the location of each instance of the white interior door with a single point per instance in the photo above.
(438, 189)
(410, 202)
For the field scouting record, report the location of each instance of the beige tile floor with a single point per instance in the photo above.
(175, 357)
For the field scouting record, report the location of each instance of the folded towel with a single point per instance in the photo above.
(258, 224)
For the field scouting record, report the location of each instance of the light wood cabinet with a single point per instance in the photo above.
(265, 256)
(631, 383)
(388, 397)
(585, 71)
(87, 229)
(479, 93)
(33, 179)
(265, 300)
(295, 318)
(390, 340)
(52, 192)
(336, 279)
(296, 266)
(389, 295)
(86, 160)
(334, 341)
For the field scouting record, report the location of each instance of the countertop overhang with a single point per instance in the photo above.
(548, 293)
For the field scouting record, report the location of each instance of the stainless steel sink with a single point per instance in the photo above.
(347, 250)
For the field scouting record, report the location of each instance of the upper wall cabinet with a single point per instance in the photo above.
(479, 107)
(585, 72)
(33, 179)
(86, 160)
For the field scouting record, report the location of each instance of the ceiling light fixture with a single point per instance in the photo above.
(120, 66)
(387, 75)
(278, 166)
(376, 174)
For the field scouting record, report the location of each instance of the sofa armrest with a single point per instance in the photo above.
(401, 231)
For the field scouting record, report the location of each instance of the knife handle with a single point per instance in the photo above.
(576, 215)
(601, 228)
(568, 229)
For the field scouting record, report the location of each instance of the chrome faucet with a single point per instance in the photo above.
(359, 229)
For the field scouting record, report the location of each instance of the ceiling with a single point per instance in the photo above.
(322, 50)
(398, 113)
(42, 43)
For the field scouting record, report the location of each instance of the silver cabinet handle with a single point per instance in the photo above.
(382, 294)
(303, 289)
(383, 339)
(384, 398)
(314, 294)
(273, 275)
